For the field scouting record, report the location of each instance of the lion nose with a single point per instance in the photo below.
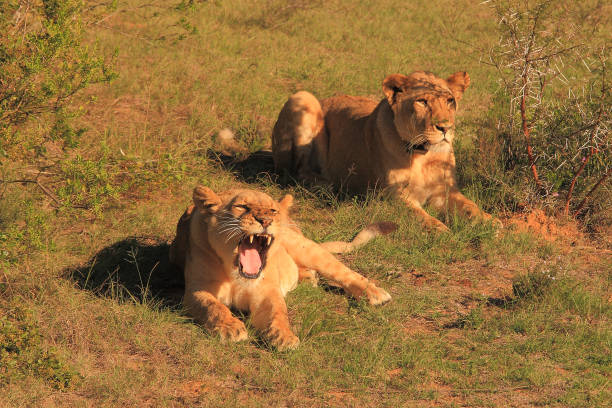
(264, 221)
(443, 128)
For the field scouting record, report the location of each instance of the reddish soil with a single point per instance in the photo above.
(549, 228)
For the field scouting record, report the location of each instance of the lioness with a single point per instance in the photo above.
(404, 143)
(240, 249)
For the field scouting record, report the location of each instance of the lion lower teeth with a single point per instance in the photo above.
(250, 239)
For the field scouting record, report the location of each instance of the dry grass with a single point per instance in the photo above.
(476, 320)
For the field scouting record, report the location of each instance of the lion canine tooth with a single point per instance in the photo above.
(269, 240)
(250, 239)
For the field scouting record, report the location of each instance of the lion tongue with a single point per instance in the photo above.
(250, 260)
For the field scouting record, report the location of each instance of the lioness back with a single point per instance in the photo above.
(345, 118)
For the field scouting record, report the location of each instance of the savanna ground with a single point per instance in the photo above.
(90, 313)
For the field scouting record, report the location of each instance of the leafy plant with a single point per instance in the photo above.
(43, 64)
(22, 353)
(556, 98)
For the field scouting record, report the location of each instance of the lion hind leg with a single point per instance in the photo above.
(299, 123)
(310, 255)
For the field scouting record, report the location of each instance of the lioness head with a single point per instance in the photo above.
(242, 226)
(424, 108)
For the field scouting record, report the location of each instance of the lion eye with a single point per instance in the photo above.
(422, 101)
(451, 100)
(242, 207)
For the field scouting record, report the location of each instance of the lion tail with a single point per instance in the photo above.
(227, 143)
(364, 236)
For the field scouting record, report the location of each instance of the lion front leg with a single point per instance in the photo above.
(309, 254)
(214, 315)
(428, 221)
(454, 201)
(269, 316)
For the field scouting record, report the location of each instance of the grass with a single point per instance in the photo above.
(476, 319)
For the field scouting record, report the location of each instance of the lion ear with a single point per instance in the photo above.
(392, 85)
(286, 202)
(458, 83)
(205, 199)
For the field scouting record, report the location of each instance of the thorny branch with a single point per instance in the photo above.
(592, 151)
(594, 148)
(532, 51)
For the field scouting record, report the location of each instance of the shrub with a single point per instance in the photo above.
(553, 106)
(22, 354)
(43, 63)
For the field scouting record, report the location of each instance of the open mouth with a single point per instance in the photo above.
(252, 254)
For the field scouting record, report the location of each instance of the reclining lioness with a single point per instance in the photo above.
(240, 249)
(403, 144)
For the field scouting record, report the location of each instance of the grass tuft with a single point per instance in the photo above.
(90, 309)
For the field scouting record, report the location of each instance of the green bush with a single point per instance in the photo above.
(43, 63)
(22, 354)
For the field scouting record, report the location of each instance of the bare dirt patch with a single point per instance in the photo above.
(549, 228)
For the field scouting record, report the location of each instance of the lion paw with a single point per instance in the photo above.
(376, 295)
(308, 275)
(495, 222)
(437, 225)
(283, 338)
(232, 330)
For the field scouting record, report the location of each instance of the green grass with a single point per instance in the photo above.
(476, 319)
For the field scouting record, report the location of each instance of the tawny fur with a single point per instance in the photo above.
(207, 249)
(402, 144)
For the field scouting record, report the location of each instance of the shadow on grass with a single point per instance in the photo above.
(133, 269)
(249, 169)
(137, 269)
(258, 166)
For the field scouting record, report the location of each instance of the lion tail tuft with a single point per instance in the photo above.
(227, 144)
(364, 236)
(383, 227)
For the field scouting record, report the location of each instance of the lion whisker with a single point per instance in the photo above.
(236, 234)
(229, 236)
(229, 228)
(224, 223)
(227, 231)
(418, 139)
(228, 224)
(227, 219)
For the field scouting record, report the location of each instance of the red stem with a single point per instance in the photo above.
(583, 202)
(570, 191)
(592, 152)
(532, 165)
